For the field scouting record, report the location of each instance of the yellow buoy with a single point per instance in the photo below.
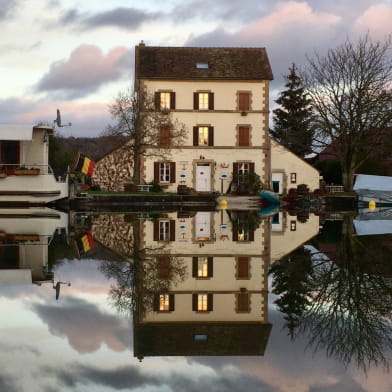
(223, 204)
(372, 205)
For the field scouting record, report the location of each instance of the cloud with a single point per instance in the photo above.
(129, 19)
(77, 319)
(85, 71)
(376, 19)
(8, 383)
(131, 377)
(7, 9)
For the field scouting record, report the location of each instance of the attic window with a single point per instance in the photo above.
(202, 65)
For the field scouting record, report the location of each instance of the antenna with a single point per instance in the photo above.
(58, 121)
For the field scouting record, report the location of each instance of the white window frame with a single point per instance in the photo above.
(164, 172)
(164, 230)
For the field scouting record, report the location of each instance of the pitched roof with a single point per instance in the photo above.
(153, 62)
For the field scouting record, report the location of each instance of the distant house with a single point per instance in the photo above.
(288, 170)
(221, 95)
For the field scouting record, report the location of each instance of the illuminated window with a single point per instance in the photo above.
(202, 267)
(165, 100)
(203, 100)
(202, 302)
(293, 225)
(164, 230)
(164, 302)
(243, 235)
(203, 136)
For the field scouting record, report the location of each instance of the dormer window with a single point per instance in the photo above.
(202, 65)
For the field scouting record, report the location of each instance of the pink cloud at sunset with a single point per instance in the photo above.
(288, 14)
(377, 19)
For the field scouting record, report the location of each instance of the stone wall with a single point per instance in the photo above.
(114, 232)
(114, 170)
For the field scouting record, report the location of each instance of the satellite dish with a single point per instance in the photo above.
(58, 120)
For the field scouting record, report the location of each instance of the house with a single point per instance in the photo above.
(25, 174)
(289, 170)
(221, 95)
(216, 298)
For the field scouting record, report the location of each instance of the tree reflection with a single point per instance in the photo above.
(343, 302)
(146, 272)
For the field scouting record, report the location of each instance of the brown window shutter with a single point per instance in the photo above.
(251, 167)
(172, 172)
(210, 267)
(156, 172)
(196, 101)
(235, 168)
(195, 136)
(243, 101)
(235, 234)
(172, 230)
(211, 101)
(172, 100)
(242, 302)
(210, 136)
(243, 267)
(243, 136)
(157, 100)
(171, 302)
(155, 304)
(194, 267)
(156, 230)
(164, 136)
(210, 305)
(163, 266)
(251, 236)
(194, 302)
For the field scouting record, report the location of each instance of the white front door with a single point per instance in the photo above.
(203, 224)
(203, 178)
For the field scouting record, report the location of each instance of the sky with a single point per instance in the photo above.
(81, 343)
(78, 55)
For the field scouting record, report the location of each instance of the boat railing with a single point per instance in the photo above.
(14, 169)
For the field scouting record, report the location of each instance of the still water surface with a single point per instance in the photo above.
(186, 301)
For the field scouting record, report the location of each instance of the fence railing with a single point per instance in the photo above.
(334, 188)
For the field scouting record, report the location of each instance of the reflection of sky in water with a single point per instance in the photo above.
(80, 343)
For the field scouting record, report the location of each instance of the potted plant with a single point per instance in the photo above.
(24, 171)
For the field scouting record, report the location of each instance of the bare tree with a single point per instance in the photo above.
(350, 89)
(151, 131)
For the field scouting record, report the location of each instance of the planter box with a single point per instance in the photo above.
(27, 172)
(3, 175)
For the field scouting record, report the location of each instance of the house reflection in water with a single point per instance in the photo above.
(219, 306)
(24, 238)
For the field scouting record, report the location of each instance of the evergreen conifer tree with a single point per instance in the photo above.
(292, 121)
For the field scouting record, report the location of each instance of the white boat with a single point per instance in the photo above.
(377, 189)
(25, 174)
(25, 235)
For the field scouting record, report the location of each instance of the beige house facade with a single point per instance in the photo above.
(221, 95)
(288, 170)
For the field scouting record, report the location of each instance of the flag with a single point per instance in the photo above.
(83, 244)
(84, 165)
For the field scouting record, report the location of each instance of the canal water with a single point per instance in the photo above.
(273, 301)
